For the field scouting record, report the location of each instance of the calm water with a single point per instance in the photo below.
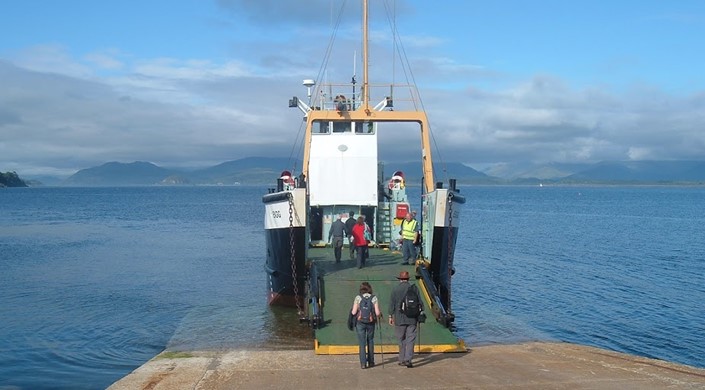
(95, 281)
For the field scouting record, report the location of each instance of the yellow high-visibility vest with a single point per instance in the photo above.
(408, 229)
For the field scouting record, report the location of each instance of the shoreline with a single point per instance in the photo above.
(534, 365)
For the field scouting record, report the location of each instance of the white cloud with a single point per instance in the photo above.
(59, 113)
(105, 60)
(51, 59)
(637, 153)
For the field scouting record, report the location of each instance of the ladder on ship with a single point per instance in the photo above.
(384, 224)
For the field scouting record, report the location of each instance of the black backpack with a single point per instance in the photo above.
(411, 304)
(366, 312)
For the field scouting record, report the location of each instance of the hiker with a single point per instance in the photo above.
(366, 309)
(405, 326)
(349, 223)
(337, 229)
(360, 242)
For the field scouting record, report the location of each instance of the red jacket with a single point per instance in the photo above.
(358, 233)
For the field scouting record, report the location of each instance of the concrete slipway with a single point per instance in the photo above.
(520, 366)
(333, 363)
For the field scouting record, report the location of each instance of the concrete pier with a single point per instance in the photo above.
(519, 366)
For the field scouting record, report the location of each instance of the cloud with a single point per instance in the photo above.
(105, 60)
(71, 123)
(545, 120)
(61, 113)
(198, 113)
(51, 58)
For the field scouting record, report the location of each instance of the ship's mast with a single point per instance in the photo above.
(365, 57)
(366, 113)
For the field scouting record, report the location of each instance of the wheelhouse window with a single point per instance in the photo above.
(321, 127)
(366, 127)
(341, 127)
(325, 127)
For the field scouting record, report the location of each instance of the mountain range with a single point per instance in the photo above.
(264, 170)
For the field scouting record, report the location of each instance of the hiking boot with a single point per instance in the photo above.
(370, 364)
(402, 363)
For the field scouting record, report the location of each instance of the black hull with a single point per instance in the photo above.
(280, 281)
(444, 238)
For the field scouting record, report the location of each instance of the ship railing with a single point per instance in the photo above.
(399, 97)
(442, 316)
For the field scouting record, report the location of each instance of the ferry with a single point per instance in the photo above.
(341, 173)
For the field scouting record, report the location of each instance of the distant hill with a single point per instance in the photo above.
(44, 180)
(642, 172)
(137, 173)
(250, 170)
(264, 171)
(413, 172)
(606, 172)
(11, 179)
(524, 171)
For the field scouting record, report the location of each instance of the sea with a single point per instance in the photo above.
(96, 281)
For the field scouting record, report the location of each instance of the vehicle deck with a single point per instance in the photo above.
(341, 283)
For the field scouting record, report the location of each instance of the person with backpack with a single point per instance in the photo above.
(405, 307)
(366, 310)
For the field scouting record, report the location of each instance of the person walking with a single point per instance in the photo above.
(366, 309)
(368, 238)
(405, 327)
(360, 242)
(337, 229)
(349, 223)
(409, 234)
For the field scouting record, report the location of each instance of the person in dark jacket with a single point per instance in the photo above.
(405, 328)
(336, 232)
(349, 223)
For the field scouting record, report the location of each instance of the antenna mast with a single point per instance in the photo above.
(365, 55)
(354, 106)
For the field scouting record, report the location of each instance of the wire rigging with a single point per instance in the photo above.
(299, 142)
(410, 79)
(406, 67)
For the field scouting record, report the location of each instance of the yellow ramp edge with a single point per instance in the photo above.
(386, 348)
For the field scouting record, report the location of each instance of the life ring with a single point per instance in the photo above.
(287, 179)
(396, 182)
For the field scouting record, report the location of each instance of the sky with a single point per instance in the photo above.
(194, 83)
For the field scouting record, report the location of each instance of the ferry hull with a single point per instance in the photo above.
(341, 177)
(445, 238)
(280, 280)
